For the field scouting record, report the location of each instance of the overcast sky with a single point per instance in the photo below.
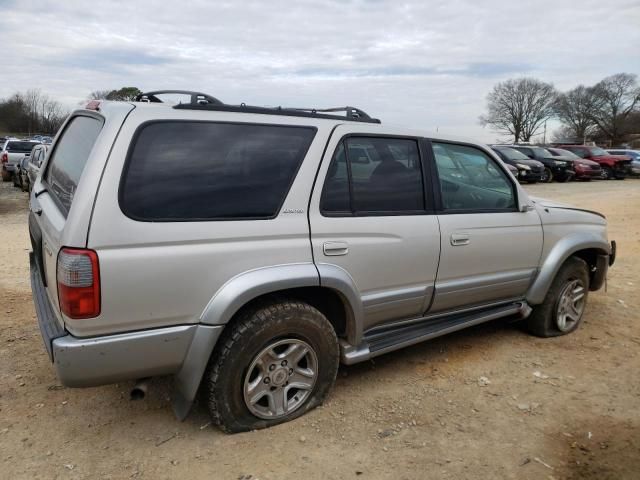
(428, 64)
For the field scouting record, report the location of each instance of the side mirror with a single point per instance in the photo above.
(527, 208)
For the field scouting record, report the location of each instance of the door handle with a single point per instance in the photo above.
(335, 248)
(458, 239)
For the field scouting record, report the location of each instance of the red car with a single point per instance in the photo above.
(585, 169)
(613, 166)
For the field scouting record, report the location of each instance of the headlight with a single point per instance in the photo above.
(560, 164)
(523, 167)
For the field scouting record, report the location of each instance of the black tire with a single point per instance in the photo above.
(543, 321)
(606, 173)
(248, 336)
(547, 176)
(6, 176)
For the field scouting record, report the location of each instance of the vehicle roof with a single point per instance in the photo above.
(108, 107)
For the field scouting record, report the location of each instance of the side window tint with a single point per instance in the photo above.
(374, 175)
(471, 180)
(335, 195)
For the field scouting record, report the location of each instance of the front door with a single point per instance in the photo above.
(490, 250)
(371, 217)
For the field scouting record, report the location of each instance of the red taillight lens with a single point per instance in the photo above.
(78, 275)
(5, 158)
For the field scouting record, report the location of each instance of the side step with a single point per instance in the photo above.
(381, 340)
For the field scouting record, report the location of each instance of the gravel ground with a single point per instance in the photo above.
(563, 408)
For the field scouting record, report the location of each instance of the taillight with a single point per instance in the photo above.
(5, 158)
(78, 274)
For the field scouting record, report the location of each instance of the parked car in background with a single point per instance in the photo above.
(613, 166)
(554, 169)
(513, 170)
(527, 170)
(12, 152)
(585, 169)
(47, 140)
(635, 158)
(21, 178)
(36, 158)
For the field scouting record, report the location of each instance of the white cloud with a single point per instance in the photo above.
(426, 63)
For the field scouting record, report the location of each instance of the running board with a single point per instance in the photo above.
(381, 340)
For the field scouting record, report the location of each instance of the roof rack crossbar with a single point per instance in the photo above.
(196, 98)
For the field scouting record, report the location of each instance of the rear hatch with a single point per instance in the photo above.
(63, 194)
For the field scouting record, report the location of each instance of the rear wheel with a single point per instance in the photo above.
(274, 364)
(563, 307)
(6, 176)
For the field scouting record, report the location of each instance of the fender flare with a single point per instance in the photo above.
(243, 288)
(562, 250)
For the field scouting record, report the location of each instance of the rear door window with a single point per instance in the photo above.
(198, 171)
(70, 157)
(374, 176)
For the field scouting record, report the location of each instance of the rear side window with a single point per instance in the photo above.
(69, 158)
(190, 171)
(20, 147)
(374, 176)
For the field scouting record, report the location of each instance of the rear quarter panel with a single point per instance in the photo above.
(165, 273)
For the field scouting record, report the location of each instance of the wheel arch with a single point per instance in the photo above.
(587, 246)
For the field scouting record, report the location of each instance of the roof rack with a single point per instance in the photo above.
(196, 98)
(351, 113)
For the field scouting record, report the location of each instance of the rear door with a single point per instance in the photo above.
(371, 217)
(490, 250)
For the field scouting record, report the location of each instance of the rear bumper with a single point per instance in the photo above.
(85, 362)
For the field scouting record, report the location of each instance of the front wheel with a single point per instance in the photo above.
(606, 173)
(547, 176)
(275, 363)
(563, 307)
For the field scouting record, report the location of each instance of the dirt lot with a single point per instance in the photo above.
(564, 408)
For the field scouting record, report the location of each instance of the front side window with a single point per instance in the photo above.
(370, 175)
(198, 171)
(471, 180)
(69, 158)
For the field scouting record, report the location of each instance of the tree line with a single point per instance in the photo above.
(605, 112)
(30, 113)
(33, 112)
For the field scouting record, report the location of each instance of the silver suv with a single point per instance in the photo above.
(247, 251)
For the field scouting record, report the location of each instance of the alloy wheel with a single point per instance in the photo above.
(280, 378)
(571, 305)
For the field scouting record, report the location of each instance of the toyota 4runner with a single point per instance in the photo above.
(290, 240)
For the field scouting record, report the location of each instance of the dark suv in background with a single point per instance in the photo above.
(530, 171)
(613, 166)
(554, 169)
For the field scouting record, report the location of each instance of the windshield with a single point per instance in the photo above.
(512, 154)
(542, 152)
(20, 147)
(598, 152)
(559, 152)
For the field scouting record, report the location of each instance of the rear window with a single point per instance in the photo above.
(189, 171)
(69, 158)
(21, 147)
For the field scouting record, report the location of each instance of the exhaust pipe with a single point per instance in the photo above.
(139, 390)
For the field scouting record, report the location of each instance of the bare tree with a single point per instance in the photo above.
(615, 98)
(519, 107)
(575, 110)
(99, 94)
